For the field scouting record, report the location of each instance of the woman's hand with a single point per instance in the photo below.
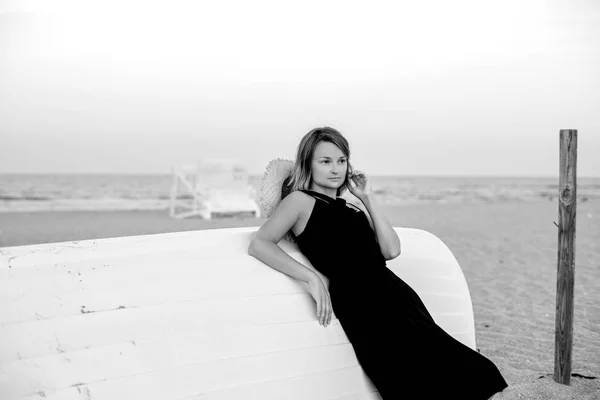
(362, 185)
(319, 292)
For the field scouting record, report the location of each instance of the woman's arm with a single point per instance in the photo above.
(388, 239)
(272, 255)
(264, 244)
(264, 247)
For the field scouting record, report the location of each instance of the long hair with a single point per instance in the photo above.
(301, 175)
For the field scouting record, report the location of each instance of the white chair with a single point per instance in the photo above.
(190, 315)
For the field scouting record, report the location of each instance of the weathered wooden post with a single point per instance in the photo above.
(567, 207)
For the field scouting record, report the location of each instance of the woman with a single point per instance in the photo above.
(395, 339)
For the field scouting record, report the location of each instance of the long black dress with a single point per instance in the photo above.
(396, 341)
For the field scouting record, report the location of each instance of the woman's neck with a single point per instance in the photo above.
(326, 191)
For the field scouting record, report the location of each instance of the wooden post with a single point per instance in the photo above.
(567, 207)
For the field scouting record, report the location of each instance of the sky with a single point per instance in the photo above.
(438, 88)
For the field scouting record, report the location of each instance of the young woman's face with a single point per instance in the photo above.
(329, 166)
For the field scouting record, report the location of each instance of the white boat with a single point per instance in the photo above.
(190, 315)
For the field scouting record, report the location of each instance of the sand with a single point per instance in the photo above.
(508, 254)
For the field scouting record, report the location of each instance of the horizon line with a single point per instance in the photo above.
(261, 173)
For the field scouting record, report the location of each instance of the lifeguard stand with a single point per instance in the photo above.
(213, 185)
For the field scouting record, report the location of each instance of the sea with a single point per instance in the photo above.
(98, 192)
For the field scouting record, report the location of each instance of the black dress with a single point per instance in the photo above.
(396, 341)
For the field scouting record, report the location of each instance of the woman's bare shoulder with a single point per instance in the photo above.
(293, 206)
(296, 201)
(285, 217)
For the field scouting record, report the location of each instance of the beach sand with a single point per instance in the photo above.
(508, 253)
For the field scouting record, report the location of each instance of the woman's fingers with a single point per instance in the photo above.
(357, 177)
(328, 310)
(319, 309)
(324, 307)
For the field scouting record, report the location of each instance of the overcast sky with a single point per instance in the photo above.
(418, 87)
